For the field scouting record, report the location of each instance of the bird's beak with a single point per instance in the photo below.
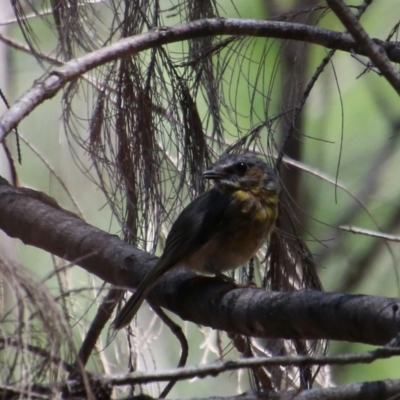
(212, 174)
(273, 186)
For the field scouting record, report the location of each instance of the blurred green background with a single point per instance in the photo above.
(349, 131)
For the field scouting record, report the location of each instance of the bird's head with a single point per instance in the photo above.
(243, 172)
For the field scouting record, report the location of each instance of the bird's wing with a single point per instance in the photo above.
(194, 226)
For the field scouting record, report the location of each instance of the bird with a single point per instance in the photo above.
(220, 230)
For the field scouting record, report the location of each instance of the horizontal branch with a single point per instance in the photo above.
(382, 390)
(37, 220)
(216, 368)
(49, 86)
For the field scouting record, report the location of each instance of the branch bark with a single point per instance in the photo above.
(37, 220)
(375, 52)
(219, 367)
(49, 86)
(382, 390)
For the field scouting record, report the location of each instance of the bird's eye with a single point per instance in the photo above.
(241, 168)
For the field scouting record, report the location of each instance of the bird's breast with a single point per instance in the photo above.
(245, 227)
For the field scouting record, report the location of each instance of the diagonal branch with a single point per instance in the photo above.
(49, 86)
(37, 220)
(374, 51)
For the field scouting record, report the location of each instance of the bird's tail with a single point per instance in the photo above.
(132, 306)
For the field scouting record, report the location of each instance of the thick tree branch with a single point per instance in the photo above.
(53, 82)
(38, 221)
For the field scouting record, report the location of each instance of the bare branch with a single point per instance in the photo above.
(53, 82)
(178, 333)
(96, 327)
(38, 221)
(382, 390)
(368, 232)
(373, 50)
(216, 368)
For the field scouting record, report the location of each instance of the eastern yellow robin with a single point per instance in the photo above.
(219, 230)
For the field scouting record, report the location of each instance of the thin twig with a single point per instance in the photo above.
(177, 331)
(216, 368)
(368, 232)
(102, 317)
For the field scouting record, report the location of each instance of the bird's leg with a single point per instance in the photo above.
(227, 279)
